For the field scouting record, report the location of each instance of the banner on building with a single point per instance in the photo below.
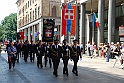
(20, 35)
(68, 18)
(121, 30)
(48, 30)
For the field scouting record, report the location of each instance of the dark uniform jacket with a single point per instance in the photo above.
(32, 47)
(75, 52)
(40, 50)
(56, 52)
(66, 53)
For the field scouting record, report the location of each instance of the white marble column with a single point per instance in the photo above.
(39, 29)
(28, 33)
(34, 33)
(88, 27)
(82, 24)
(25, 36)
(32, 29)
(101, 4)
(111, 20)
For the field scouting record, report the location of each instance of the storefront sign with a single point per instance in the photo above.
(121, 31)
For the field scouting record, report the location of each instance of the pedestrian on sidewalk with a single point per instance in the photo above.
(94, 50)
(117, 54)
(91, 50)
(88, 46)
(11, 55)
(107, 53)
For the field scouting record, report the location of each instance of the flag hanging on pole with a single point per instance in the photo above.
(73, 30)
(95, 20)
(63, 19)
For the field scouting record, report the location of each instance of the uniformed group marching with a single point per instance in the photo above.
(51, 52)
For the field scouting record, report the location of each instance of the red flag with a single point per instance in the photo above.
(63, 20)
(73, 29)
(21, 35)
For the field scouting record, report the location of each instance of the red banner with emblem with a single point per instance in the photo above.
(21, 35)
(68, 19)
(48, 30)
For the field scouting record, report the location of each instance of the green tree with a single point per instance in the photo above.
(9, 27)
(1, 33)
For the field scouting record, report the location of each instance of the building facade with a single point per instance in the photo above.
(30, 17)
(110, 17)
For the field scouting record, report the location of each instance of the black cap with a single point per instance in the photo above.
(64, 40)
(56, 40)
(75, 40)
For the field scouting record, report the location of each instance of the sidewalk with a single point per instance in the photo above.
(94, 70)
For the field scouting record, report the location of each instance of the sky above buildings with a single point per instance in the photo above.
(7, 7)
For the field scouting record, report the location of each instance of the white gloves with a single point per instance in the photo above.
(80, 59)
(39, 52)
(67, 49)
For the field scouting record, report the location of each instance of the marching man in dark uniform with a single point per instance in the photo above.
(56, 54)
(26, 50)
(32, 51)
(40, 54)
(47, 54)
(66, 48)
(75, 53)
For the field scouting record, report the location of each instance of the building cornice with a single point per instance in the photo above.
(17, 1)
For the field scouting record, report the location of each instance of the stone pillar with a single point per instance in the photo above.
(88, 27)
(28, 33)
(82, 24)
(39, 29)
(77, 22)
(34, 33)
(111, 20)
(32, 27)
(101, 4)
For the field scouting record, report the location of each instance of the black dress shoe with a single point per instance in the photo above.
(67, 74)
(53, 73)
(73, 71)
(56, 75)
(76, 74)
(64, 73)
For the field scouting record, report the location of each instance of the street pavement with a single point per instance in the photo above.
(95, 70)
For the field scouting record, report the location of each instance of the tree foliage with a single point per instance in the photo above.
(8, 27)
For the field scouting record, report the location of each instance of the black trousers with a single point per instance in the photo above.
(25, 56)
(17, 56)
(89, 51)
(46, 57)
(55, 61)
(39, 61)
(65, 62)
(21, 53)
(11, 61)
(32, 56)
(75, 60)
